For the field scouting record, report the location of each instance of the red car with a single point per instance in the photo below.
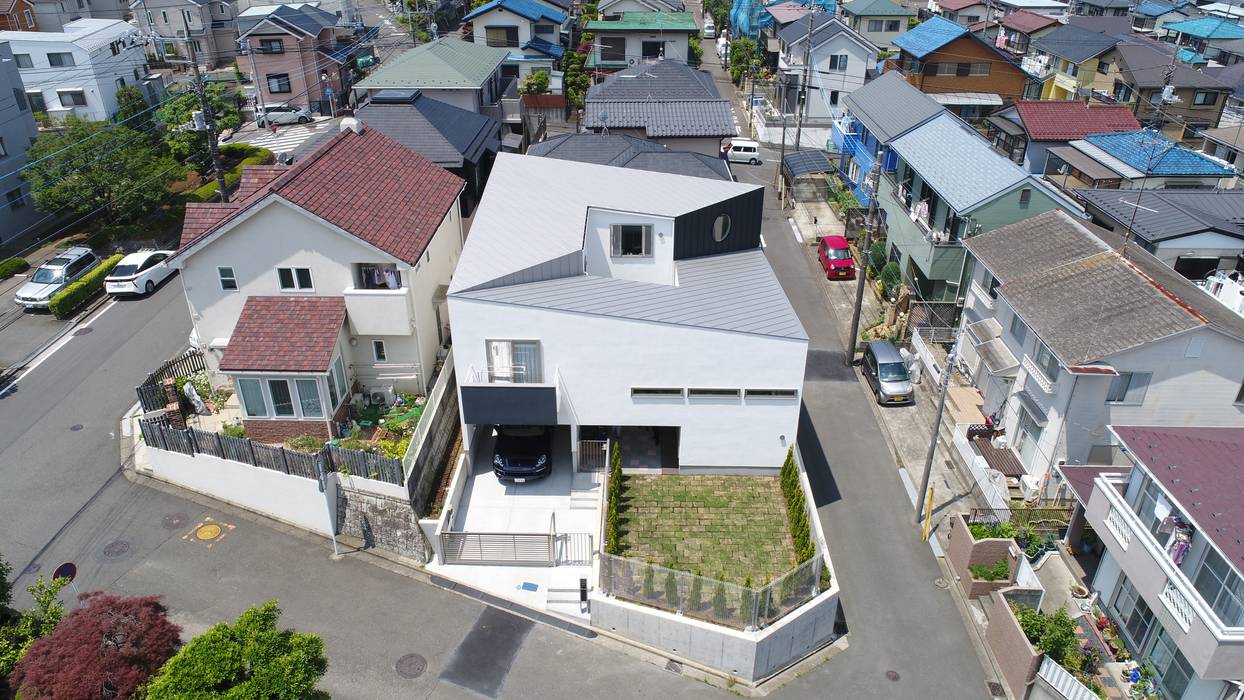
(836, 258)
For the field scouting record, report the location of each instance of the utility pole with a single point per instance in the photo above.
(259, 110)
(802, 95)
(1155, 123)
(410, 23)
(208, 120)
(937, 424)
(874, 224)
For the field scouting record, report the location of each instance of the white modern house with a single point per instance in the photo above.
(313, 281)
(841, 59)
(1171, 575)
(79, 70)
(631, 303)
(1065, 335)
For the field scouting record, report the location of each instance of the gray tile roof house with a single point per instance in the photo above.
(440, 132)
(666, 99)
(890, 107)
(825, 26)
(302, 18)
(444, 63)
(1074, 44)
(1168, 214)
(1083, 298)
(624, 151)
(1147, 61)
(527, 240)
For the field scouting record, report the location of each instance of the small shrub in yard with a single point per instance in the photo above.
(305, 443)
(891, 276)
(671, 590)
(1053, 634)
(747, 599)
(71, 298)
(12, 266)
(720, 607)
(695, 596)
(236, 430)
(876, 256)
(613, 534)
(997, 571)
(981, 531)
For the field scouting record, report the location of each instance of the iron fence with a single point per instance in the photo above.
(499, 548)
(593, 455)
(274, 457)
(712, 600)
(1040, 518)
(151, 392)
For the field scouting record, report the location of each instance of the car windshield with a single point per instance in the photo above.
(837, 253)
(892, 372)
(123, 270)
(48, 275)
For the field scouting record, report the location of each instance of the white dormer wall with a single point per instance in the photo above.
(825, 80)
(657, 268)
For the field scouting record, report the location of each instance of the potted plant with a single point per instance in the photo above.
(1079, 591)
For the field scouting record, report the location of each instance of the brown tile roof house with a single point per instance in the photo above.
(1048, 120)
(364, 183)
(285, 334)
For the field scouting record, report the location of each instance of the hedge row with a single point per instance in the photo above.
(796, 509)
(12, 266)
(250, 155)
(71, 298)
(613, 534)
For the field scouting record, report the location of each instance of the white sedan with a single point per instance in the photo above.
(139, 273)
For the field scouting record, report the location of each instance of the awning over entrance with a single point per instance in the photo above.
(1006, 126)
(1033, 408)
(1083, 163)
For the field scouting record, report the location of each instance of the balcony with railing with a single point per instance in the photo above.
(922, 213)
(508, 395)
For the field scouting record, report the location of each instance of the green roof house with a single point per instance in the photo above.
(879, 21)
(636, 37)
(450, 70)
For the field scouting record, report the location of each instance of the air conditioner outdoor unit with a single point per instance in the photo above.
(1030, 486)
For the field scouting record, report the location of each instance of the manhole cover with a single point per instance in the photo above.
(208, 532)
(31, 568)
(118, 548)
(892, 676)
(174, 521)
(75, 427)
(941, 583)
(411, 666)
(995, 689)
(673, 666)
(84, 331)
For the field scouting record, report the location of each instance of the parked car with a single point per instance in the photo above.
(54, 275)
(138, 273)
(744, 151)
(522, 452)
(887, 373)
(284, 114)
(710, 31)
(835, 257)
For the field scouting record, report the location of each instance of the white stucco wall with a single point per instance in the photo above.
(1205, 244)
(599, 359)
(824, 81)
(657, 268)
(95, 73)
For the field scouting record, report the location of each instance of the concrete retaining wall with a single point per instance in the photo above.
(964, 551)
(1016, 657)
(433, 440)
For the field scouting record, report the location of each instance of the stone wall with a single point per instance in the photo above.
(431, 460)
(965, 551)
(1015, 656)
(278, 431)
(383, 522)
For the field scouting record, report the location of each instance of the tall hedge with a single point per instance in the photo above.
(71, 298)
(796, 509)
(613, 534)
(12, 266)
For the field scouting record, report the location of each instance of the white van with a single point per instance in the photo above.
(744, 151)
(710, 31)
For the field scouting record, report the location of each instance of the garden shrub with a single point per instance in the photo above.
(613, 535)
(671, 590)
(891, 277)
(720, 609)
(12, 266)
(250, 155)
(71, 298)
(980, 531)
(747, 599)
(236, 430)
(305, 443)
(796, 509)
(695, 596)
(998, 571)
(876, 256)
(1055, 635)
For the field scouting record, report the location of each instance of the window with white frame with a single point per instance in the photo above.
(1046, 361)
(228, 281)
(377, 351)
(253, 403)
(309, 398)
(1129, 388)
(1019, 329)
(338, 376)
(630, 240)
(294, 278)
(838, 62)
(282, 398)
(71, 98)
(514, 361)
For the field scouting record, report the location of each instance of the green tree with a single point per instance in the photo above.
(93, 166)
(649, 588)
(6, 588)
(743, 57)
(697, 51)
(695, 597)
(34, 623)
(248, 659)
(747, 600)
(132, 106)
(576, 80)
(613, 529)
(536, 83)
(190, 146)
(891, 277)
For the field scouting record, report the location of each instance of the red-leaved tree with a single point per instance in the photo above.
(105, 649)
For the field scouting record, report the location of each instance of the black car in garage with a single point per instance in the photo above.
(522, 452)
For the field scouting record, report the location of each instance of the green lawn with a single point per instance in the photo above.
(734, 525)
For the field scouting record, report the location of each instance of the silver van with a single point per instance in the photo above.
(744, 151)
(54, 275)
(887, 373)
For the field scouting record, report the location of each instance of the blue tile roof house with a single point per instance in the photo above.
(949, 184)
(1203, 34)
(1153, 15)
(1128, 159)
(529, 28)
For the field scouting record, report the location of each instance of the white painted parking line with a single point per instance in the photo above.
(795, 229)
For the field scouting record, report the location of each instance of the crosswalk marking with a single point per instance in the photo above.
(287, 138)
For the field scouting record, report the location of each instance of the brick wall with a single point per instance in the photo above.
(278, 431)
(1015, 656)
(965, 551)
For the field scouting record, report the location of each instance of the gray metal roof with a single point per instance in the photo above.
(890, 107)
(1166, 214)
(1073, 43)
(302, 17)
(1084, 299)
(732, 292)
(446, 62)
(1146, 61)
(526, 245)
(956, 162)
(630, 152)
(442, 133)
(825, 26)
(663, 118)
(663, 80)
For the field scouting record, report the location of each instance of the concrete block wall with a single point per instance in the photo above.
(965, 551)
(425, 470)
(1015, 656)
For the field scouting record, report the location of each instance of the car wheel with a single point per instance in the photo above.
(261, 123)
(150, 286)
(304, 120)
(753, 161)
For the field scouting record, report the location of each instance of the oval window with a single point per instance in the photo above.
(721, 227)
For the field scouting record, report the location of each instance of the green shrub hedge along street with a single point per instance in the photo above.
(796, 509)
(12, 266)
(71, 298)
(613, 532)
(250, 155)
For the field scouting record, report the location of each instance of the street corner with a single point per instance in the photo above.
(208, 532)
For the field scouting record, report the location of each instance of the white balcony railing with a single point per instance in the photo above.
(514, 374)
(1178, 605)
(982, 295)
(1118, 525)
(1038, 376)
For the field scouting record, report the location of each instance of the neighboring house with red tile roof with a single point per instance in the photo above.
(322, 276)
(1026, 130)
(1018, 28)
